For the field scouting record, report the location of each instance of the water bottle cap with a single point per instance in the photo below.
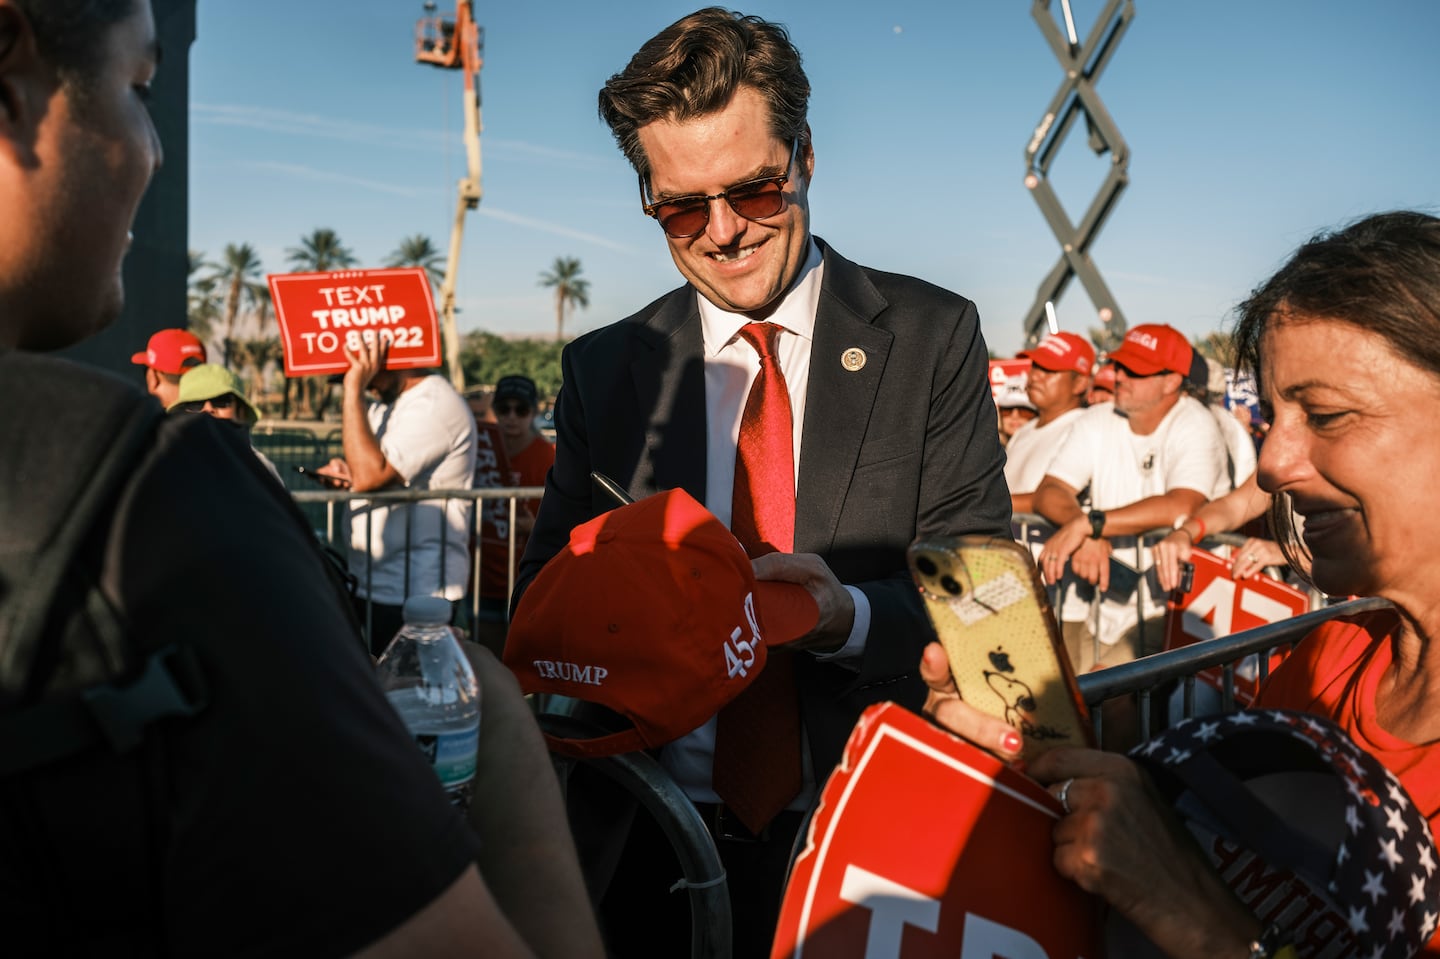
(427, 611)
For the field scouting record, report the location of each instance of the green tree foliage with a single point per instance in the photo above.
(319, 252)
(239, 274)
(417, 250)
(1218, 346)
(570, 290)
(203, 300)
(486, 357)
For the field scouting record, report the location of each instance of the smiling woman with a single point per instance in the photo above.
(1345, 339)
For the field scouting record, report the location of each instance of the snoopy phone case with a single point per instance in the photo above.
(984, 597)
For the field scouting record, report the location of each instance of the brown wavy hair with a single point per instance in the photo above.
(693, 68)
(1380, 274)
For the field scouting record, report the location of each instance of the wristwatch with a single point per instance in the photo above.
(1097, 523)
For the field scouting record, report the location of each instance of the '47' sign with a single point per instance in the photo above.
(1218, 605)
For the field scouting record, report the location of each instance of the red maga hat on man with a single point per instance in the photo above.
(1154, 348)
(1062, 351)
(171, 351)
(652, 610)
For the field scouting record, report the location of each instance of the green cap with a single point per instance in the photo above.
(207, 381)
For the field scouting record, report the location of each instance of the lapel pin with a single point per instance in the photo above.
(853, 359)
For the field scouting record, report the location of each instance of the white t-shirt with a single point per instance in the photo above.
(1186, 451)
(428, 436)
(1237, 443)
(1030, 450)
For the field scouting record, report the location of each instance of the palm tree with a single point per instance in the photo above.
(239, 273)
(319, 252)
(417, 250)
(570, 290)
(202, 297)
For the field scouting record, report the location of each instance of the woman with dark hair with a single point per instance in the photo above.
(1345, 342)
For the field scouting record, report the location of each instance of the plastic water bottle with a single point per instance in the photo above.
(431, 685)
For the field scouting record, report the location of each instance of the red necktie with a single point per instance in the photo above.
(757, 739)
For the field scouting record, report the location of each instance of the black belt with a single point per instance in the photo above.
(725, 826)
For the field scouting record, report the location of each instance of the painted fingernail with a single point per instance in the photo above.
(1010, 742)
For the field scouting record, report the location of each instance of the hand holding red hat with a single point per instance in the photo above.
(837, 606)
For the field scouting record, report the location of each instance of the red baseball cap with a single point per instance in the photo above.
(1153, 348)
(652, 610)
(1105, 378)
(1062, 351)
(172, 351)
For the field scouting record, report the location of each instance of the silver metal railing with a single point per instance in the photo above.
(337, 502)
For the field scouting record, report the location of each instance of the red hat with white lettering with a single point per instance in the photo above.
(172, 351)
(1059, 352)
(652, 610)
(1154, 348)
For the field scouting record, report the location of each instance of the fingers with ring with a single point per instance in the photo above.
(1064, 794)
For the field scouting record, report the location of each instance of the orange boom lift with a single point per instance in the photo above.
(456, 44)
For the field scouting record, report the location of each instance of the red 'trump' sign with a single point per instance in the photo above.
(323, 314)
(924, 846)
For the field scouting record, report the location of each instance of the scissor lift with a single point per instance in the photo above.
(1083, 63)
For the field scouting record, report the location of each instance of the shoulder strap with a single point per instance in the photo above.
(95, 434)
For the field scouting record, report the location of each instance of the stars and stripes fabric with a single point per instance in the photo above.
(1313, 834)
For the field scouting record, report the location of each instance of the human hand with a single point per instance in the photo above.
(1253, 556)
(1119, 840)
(365, 362)
(837, 607)
(1061, 545)
(1167, 555)
(335, 474)
(944, 705)
(1091, 562)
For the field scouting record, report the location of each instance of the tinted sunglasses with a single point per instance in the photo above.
(687, 216)
(216, 403)
(1131, 374)
(509, 409)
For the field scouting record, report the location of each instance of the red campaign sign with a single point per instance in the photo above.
(322, 314)
(1002, 370)
(1218, 605)
(925, 846)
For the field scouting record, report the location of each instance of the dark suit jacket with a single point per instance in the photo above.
(903, 447)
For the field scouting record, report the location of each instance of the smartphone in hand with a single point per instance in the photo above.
(984, 596)
(326, 480)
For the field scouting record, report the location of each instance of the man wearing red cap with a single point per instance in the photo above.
(1152, 456)
(1058, 381)
(166, 358)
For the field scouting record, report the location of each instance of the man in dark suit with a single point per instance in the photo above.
(894, 431)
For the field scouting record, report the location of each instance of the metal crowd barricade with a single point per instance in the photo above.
(334, 533)
(1143, 677)
(642, 776)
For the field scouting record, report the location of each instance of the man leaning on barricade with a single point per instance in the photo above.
(416, 434)
(202, 763)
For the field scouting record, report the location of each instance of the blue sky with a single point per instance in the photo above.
(1251, 124)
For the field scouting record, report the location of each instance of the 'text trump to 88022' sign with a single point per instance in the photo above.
(323, 314)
